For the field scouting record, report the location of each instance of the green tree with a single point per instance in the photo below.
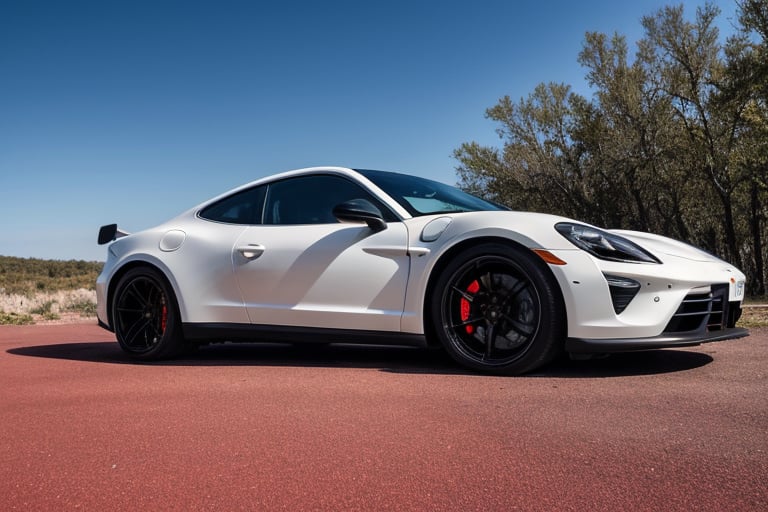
(686, 56)
(630, 139)
(539, 167)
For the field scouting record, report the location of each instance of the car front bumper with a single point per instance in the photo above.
(604, 346)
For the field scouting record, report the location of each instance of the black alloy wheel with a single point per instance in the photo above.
(145, 315)
(499, 310)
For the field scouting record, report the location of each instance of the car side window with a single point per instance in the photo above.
(311, 199)
(244, 207)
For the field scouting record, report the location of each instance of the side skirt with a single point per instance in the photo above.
(247, 333)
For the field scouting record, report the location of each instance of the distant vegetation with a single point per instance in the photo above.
(28, 276)
(34, 290)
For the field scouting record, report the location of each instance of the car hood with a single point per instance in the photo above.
(662, 245)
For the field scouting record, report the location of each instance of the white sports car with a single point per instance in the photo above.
(332, 254)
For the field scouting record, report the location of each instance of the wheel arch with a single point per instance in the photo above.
(115, 278)
(457, 249)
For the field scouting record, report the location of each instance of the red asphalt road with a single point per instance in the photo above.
(352, 428)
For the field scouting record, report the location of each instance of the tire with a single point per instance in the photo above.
(498, 309)
(145, 316)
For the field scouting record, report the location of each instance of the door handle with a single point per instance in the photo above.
(251, 251)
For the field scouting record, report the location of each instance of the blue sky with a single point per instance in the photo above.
(133, 111)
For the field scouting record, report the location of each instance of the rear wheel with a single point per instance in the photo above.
(497, 309)
(145, 316)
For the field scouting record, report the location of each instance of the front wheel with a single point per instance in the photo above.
(497, 309)
(145, 316)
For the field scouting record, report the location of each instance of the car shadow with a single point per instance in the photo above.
(393, 359)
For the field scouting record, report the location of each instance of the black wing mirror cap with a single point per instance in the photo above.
(360, 211)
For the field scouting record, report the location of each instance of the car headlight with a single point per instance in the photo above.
(604, 245)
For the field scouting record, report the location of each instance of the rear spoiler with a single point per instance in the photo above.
(109, 233)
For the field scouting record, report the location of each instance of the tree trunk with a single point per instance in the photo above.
(757, 242)
(730, 231)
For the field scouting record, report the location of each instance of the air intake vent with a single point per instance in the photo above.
(719, 303)
(704, 309)
(623, 290)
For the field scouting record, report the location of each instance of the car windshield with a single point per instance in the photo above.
(420, 196)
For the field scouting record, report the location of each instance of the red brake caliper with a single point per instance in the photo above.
(473, 288)
(163, 318)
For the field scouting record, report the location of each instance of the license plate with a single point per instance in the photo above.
(739, 289)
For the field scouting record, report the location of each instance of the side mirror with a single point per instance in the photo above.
(360, 211)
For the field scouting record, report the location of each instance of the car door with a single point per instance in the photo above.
(301, 267)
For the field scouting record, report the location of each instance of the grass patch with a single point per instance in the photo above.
(754, 316)
(47, 310)
(82, 307)
(43, 309)
(15, 319)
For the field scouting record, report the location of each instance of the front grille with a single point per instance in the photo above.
(704, 310)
